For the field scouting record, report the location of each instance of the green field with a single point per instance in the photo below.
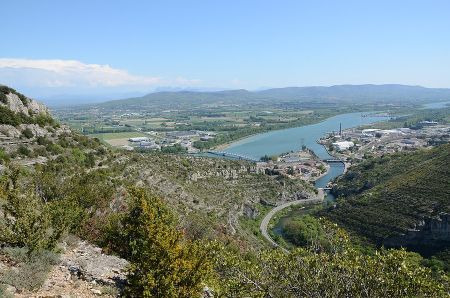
(118, 135)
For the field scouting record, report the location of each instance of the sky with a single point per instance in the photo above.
(78, 47)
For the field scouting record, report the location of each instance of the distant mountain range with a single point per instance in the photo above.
(338, 93)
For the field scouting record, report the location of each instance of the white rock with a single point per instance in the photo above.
(96, 292)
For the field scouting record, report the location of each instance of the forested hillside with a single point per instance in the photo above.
(398, 200)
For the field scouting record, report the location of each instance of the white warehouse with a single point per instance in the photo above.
(344, 145)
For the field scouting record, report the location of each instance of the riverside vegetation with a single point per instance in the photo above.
(176, 220)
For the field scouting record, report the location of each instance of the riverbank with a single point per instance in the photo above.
(224, 146)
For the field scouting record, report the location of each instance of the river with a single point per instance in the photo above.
(285, 140)
(292, 139)
(281, 141)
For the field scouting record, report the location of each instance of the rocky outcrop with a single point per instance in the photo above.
(35, 129)
(227, 173)
(82, 271)
(432, 233)
(87, 262)
(15, 104)
(10, 131)
(250, 211)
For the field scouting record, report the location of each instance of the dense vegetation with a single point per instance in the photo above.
(382, 198)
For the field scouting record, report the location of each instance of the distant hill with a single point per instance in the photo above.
(339, 93)
(398, 200)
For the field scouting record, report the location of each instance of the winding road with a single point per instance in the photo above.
(266, 220)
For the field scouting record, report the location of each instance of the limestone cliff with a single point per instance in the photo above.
(19, 103)
(430, 235)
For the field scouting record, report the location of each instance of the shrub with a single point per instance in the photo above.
(9, 117)
(22, 150)
(43, 141)
(4, 157)
(3, 98)
(54, 148)
(44, 119)
(342, 273)
(32, 269)
(162, 263)
(40, 151)
(3, 291)
(28, 221)
(27, 133)
(22, 98)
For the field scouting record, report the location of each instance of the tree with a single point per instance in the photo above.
(339, 271)
(27, 221)
(162, 263)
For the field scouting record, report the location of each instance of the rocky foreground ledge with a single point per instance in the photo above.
(83, 271)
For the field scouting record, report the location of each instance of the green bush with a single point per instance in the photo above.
(3, 292)
(3, 98)
(162, 263)
(44, 119)
(4, 157)
(32, 269)
(304, 230)
(54, 149)
(30, 221)
(23, 150)
(43, 141)
(27, 133)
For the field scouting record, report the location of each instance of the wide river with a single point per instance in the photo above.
(285, 140)
(280, 141)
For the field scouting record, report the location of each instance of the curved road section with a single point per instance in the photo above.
(265, 222)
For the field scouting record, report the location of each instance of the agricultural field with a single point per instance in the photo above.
(117, 139)
(228, 122)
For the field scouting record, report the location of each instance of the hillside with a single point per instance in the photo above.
(88, 221)
(340, 93)
(398, 200)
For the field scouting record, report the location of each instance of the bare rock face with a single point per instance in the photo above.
(35, 129)
(10, 131)
(87, 262)
(250, 211)
(230, 173)
(433, 232)
(16, 105)
(37, 108)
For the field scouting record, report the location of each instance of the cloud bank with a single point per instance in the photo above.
(69, 75)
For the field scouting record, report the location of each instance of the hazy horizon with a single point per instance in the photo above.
(109, 49)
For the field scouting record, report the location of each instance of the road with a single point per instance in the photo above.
(266, 220)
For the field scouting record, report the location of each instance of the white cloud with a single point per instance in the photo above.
(70, 73)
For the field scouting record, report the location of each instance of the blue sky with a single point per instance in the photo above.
(57, 47)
